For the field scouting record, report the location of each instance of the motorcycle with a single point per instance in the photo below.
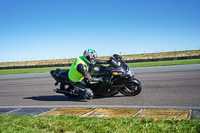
(120, 76)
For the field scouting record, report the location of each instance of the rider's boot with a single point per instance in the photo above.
(88, 93)
(85, 93)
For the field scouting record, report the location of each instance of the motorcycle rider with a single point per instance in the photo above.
(79, 76)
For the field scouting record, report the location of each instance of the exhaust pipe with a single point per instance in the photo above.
(62, 91)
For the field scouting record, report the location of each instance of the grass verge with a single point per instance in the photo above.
(165, 63)
(65, 123)
(29, 70)
(141, 64)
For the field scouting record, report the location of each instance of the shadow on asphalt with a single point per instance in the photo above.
(64, 98)
(53, 98)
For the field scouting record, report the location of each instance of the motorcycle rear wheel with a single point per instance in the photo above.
(130, 89)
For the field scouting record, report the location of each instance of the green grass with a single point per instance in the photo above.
(165, 63)
(65, 123)
(141, 64)
(29, 70)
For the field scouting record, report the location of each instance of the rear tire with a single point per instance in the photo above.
(130, 89)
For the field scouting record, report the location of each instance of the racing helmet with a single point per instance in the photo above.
(90, 56)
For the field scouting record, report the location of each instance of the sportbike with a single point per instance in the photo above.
(120, 78)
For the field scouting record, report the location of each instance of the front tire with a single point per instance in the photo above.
(130, 89)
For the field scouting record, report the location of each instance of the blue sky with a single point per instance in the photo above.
(57, 29)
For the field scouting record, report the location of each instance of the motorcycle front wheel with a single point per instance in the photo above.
(130, 89)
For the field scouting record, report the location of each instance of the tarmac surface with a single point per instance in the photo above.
(174, 88)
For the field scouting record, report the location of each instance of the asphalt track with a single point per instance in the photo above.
(166, 87)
